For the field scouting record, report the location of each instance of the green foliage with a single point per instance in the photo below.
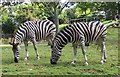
(68, 14)
(87, 9)
(43, 10)
(22, 13)
(8, 26)
(84, 6)
(34, 11)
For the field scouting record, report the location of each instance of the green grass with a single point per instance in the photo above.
(43, 66)
(62, 26)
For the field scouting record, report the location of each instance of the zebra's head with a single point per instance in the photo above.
(16, 51)
(55, 55)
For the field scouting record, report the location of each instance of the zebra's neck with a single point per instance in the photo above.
(18, 39)
(63, 37)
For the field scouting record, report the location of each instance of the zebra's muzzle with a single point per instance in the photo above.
(52, 62)
(15, 60)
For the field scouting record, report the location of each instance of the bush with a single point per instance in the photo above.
(8, 26)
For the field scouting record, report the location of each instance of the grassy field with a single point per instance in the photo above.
(43, 66)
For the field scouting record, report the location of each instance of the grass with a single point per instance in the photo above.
(62, 26)
(43, 66)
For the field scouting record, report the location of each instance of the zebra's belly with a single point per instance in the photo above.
(38, 38)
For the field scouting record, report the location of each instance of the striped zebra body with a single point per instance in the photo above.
(33, 31)
(90, 31)
(79, 33)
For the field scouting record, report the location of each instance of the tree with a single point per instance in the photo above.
(84, 6)
(14, 15)
(54, 9)
(111, 9)
(8, 26)
(37, 10)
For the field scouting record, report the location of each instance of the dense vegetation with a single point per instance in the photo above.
(13, 15)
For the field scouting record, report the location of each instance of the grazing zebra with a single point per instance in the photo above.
(32, 31)
(80, 33)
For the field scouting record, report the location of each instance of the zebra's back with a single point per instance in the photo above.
(91, 31)
(39, 30)
(73, 33)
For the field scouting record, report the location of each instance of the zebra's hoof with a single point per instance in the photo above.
(101, 62)
(73, 63)
(104, 61)
(86, 63)
(26, 58)
(38, 58)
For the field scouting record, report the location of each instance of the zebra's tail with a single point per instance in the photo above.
(112, 24)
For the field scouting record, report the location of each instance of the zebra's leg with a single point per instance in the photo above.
(26, 49)
(103, 50)
(105, 55)
(75, 52)
(35, 47)
(84, 51)
(49, 42)
(50, 39)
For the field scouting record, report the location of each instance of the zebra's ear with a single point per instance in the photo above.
(10, 43)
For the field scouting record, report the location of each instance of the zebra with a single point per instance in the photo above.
(33, 31)
(80, 33)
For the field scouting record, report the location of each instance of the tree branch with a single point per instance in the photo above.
(64, 6)
(48, 8)
(57, 4)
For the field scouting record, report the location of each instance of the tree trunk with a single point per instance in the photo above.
(56, 20)
(85, 12)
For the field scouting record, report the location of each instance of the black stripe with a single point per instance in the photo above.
(91, 25)
(87, 32)
(103, 31)
(66, 35)
(95, 29)
(69, 35)
(84, 30)
(39, 22)
(46, 26)
(74, 33)
(49, 28)
(25, 30)
(42, 30)
(21, 35)
(52, 29)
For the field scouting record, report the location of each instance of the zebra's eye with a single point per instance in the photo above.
(52, 51)
(51, 46)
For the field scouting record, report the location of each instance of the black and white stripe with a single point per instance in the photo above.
(80, 33)
(33, 31)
